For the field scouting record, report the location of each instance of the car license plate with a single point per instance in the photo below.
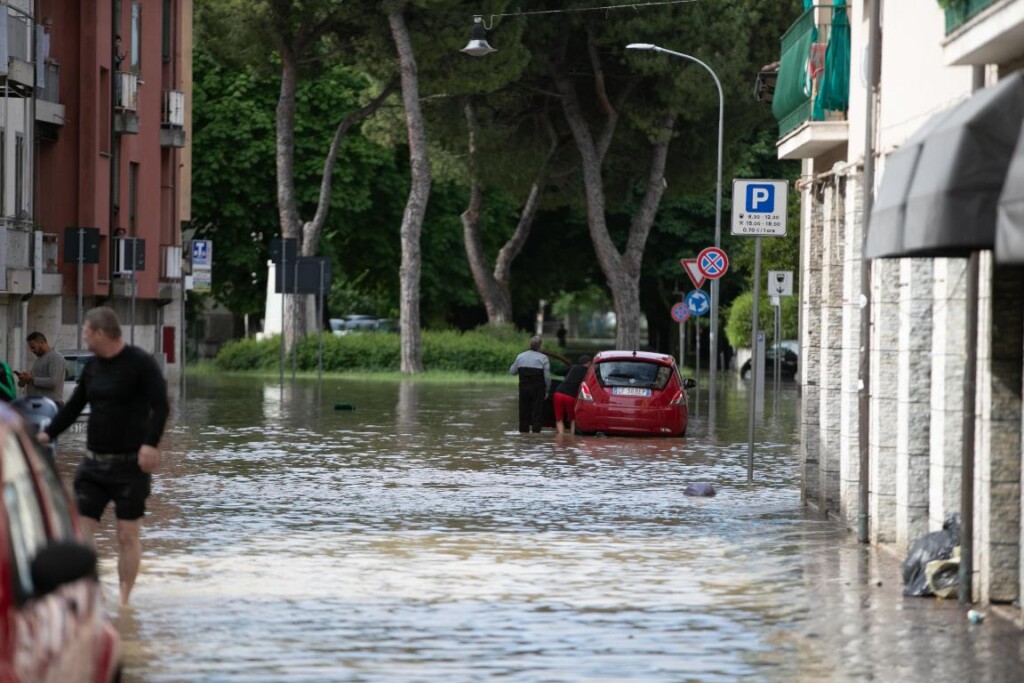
(631, 391)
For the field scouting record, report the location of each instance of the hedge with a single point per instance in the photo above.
(740, 314)
(475, 351)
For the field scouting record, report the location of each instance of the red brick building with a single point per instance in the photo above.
(105, 86)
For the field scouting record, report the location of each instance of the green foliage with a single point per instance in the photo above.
(740, 315)
(476, 352)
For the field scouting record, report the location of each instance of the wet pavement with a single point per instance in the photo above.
(420, 538)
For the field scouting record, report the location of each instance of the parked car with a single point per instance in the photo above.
(74, 363)
(789, 350)
(354, 323)
(56, 628)
(633, 392)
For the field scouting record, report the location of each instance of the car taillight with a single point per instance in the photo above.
(585, 393)
(677, 399)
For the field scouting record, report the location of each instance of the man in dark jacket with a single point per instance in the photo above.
(127, 395)
(534, 372)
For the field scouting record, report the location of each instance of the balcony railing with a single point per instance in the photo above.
(127, 91)
(962, 11)
(48, 89)
(173, 115)
(170, 262)
(802, 69)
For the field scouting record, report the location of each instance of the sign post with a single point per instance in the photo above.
(81, 245)
(758, 209)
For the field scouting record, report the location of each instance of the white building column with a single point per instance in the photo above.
(949, 354)
(849, 408)
(913, 402)
(810, 338)
(885, 299)
(830, 390)
(998, 430)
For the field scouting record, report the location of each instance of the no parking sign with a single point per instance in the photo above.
(680, 312)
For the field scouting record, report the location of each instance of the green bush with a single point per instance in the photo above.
(475, 352)
(740, 314)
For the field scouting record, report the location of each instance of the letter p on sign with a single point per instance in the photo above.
(760, 199)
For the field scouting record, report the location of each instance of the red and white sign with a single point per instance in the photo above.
(681, 312)
(712, 263)
(690, 266)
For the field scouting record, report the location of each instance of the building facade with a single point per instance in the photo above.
(95, 170)
(924, 437)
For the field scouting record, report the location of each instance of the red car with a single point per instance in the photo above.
(54, 625)
(633, 392)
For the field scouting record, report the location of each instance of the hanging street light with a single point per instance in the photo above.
(477, 45)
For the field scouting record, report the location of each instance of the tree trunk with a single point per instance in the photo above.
(621, 270)
(493, 286)
(285, 156)
(416, 205)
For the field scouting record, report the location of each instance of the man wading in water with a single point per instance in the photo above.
(128, 397)
(534, 372)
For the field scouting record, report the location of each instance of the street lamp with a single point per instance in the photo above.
(713, 350)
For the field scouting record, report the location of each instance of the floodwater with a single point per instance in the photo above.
(420, 538)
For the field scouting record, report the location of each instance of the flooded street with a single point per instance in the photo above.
(420, 538)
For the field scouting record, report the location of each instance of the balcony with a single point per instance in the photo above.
(17, 76)
(45, 273)
(172, 119)
(126, 102)
(984, 32)
(48, 106)
(15, 250)
(812, 87)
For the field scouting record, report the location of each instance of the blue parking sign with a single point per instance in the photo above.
(760, 198)
(759, 208)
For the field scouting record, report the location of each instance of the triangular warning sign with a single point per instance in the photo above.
(690, 266)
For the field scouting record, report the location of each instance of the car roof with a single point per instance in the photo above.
(645, 356)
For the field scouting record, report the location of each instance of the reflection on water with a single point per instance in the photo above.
(421, 537)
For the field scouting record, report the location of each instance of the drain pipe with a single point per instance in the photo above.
(965, 592)
(874, 54)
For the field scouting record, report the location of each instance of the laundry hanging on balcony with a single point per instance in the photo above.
(940, 191)
(834, 92)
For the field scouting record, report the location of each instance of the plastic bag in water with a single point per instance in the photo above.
(937, 545)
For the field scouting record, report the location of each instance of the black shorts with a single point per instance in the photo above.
(98, 483)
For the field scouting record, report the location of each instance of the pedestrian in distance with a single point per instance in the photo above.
(534, 370)
(562, 334)
(128, 397)
(46, 379)
(564, 397)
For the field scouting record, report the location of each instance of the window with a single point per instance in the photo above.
(19, 176)
(3, 173)
(633, 374)
(133, 197)
(136, 56)
(166, 30)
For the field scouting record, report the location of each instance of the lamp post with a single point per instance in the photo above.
(713, 346)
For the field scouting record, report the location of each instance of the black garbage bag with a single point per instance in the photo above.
(937, 545)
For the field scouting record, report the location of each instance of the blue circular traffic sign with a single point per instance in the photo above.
(680, 312)
(712, 262)
(698, 302)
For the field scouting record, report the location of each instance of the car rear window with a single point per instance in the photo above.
(631, 373)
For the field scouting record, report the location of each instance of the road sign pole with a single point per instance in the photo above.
(754, 369)
(777, 365)
(284, 289)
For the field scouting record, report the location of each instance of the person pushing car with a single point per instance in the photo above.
(534, 372)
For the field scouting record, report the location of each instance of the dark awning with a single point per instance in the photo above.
(1010, 214)
(939, 192)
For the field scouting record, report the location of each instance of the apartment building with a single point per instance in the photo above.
(95, 169)
(942, 130)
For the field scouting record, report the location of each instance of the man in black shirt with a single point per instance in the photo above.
(127, 394)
